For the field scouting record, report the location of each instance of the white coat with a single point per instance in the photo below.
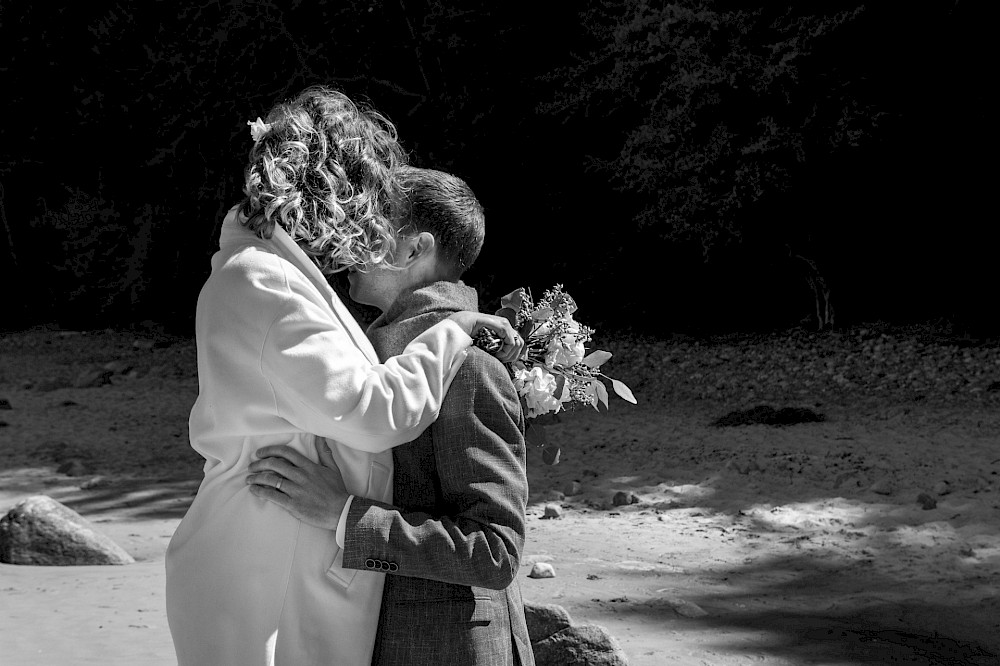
(282, 361)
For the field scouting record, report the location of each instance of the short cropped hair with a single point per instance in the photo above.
(324, 170)
(444, 206)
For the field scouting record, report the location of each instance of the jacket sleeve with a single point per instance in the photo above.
(325, 385)
(477, 536)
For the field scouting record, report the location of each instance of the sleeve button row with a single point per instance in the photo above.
(381, 565)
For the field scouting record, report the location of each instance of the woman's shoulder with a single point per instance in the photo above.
(252, 263)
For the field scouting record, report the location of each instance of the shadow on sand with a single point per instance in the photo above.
(799, 605)
(126, 498)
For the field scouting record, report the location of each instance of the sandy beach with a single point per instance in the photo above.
(812, 543)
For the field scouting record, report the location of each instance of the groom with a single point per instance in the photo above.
(451, 541)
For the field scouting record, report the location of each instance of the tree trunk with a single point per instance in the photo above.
(820, 289)
(6, 228)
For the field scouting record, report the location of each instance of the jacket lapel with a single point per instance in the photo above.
(294, 254)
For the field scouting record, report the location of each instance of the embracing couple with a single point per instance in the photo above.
(364, 494)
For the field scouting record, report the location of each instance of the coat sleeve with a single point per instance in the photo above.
(325, 385)
(477, 536)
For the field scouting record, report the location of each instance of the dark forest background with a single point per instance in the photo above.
(692, 166)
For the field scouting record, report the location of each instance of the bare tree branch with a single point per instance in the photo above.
(6, 227)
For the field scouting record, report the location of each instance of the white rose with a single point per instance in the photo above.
(538, 391)
(567, 350)
(521, 376)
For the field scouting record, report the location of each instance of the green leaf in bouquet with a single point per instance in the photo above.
(513, 300)
(602, 394)
(525, 330)
(623, 391)
(535, 434)
(541, 314)
(560, 386)
(596, 358)
(550, 454)
(509, 314)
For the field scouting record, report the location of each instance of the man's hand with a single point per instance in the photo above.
(313, 493)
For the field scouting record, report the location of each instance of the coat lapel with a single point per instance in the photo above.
(287, 249)
(301, 260)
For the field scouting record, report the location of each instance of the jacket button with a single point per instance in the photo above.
(393, 567)
(383, 565)
(370, 563)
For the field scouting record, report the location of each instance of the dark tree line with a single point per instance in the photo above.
(690, 165)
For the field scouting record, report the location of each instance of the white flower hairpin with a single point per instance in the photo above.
(258, 128)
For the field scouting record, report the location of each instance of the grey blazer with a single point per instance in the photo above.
(452, 539)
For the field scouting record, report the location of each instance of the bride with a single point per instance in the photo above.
(281, 361)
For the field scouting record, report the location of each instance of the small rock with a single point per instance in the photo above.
(552, 511)
(571, 488)
(542, 570)
(623, 498)
(5, 404)
(93, 378)
(926, 502)
(942, 488)
(3, 424)
(41, 531)
(74, 467)
(117, 367)
(686, 608)
(95, 482)
(881, 487)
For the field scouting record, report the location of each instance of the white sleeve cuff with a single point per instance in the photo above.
(342, 525)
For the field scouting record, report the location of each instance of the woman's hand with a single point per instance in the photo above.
(313, 493)
(474, 322)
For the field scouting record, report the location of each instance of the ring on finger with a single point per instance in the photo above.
(277, 486)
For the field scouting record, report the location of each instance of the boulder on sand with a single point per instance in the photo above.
(41, 531)
(557, 641)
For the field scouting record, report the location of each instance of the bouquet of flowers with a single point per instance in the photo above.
(555, 371)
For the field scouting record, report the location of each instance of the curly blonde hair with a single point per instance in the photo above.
(325, 171)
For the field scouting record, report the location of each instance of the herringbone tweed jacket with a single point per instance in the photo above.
(451, 542)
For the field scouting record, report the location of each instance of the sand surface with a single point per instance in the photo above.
(803, 544)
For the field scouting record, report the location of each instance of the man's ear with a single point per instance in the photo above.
(418, 247)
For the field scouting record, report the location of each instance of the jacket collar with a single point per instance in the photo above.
(283, 245)
(416, 310)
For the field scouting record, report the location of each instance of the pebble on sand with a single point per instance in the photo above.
(542, 570)
(623, 498)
